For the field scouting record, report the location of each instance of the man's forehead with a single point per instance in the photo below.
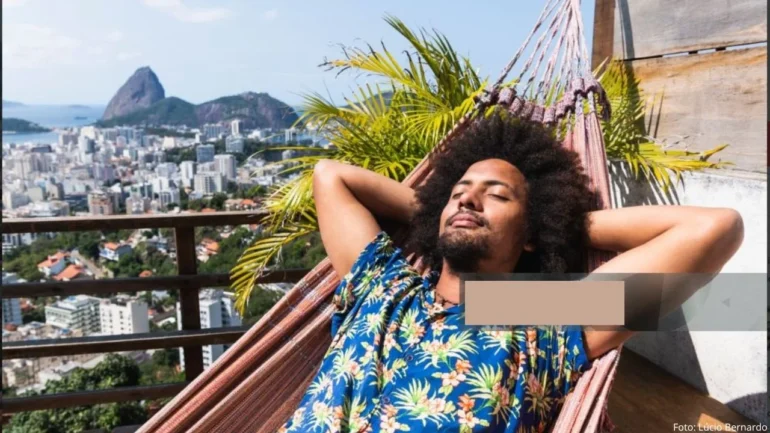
(494, 169)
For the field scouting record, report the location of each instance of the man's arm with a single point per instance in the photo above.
(349, 200)
(661, 240)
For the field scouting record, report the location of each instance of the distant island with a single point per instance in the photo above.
(142, 101)
(20, 126)
(77, 106)
(11, 104)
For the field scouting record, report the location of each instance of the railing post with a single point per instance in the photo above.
(188, 298)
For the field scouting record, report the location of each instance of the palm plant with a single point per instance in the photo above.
(628, 139)
(427, 94)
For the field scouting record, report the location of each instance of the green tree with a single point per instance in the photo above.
(114, 371)
(260, 302)
(34, 315)
(218, 201)
(196, 204)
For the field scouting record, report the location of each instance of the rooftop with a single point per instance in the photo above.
(70, 272)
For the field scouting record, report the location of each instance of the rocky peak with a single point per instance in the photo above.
(140, 91)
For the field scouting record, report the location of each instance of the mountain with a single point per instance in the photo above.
(10, 104)
(21, 126)
(142, 90)
(254, 110)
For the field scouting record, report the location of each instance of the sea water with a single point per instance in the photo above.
(51, 116)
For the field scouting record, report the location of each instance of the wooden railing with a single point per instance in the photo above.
(191, 338)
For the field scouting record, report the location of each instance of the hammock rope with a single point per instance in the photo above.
(259, 381)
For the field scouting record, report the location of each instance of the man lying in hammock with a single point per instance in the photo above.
(505, 198)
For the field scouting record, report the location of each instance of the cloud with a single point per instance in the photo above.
(27, 46)
(270, 15)
(188, 14)
(115, 36)
(128, 55)
(13, 3)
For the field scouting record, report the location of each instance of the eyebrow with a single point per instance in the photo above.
(491, 182)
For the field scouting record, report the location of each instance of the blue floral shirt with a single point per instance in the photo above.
(400, 362)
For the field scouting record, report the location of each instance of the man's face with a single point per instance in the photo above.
(482, 225)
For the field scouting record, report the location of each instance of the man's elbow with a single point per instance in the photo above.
(722, 231)
(323, 172)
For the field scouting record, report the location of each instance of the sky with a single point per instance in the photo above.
(82, 51)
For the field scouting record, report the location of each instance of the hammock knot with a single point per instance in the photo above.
(488, 96)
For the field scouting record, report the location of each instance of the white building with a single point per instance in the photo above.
(235, 127)
(122, 316)
(76, 312)
(226, 166)
(187, 172)
(36, 194)
(213, 131)
(234, 144)
(166, 169)
(166, 198)
(13, 200)
(217, 310)
(13, 240)
(85, 144)
(137, 204)
(208, 183)
(114, 251)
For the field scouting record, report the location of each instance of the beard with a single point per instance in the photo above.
(462, 251)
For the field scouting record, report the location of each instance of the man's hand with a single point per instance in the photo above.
(349, 200)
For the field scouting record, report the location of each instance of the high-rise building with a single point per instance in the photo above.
(102, 203)
(213, 131)
(79, 312)
(226, 166)
(11, 306)
(54, 190)
(36, 194)
(166, 169)
(216, 311)
(187, 172)
(85, 144)
(13, 199)
(136, 204)
(291, 135)
(168, 197)
(104, 172)
(208, 183)
(109, 134)
(234, 144)
(235, 127)
(204, 153)
(123, 316)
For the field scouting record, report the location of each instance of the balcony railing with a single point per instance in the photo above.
(191, 338)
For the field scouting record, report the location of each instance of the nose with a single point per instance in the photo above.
(470, 200)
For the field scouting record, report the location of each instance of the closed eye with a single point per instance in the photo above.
(499, 197)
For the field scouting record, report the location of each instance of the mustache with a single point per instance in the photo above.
(479, 219)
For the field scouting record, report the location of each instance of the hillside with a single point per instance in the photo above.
(21, 126)
(255, 110)
(140, 91)
(11, 104)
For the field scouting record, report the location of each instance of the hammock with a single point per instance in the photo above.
(256, 385)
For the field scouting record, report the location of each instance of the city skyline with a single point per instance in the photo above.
(202, 51)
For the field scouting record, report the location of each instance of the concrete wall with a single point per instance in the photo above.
(729, 366)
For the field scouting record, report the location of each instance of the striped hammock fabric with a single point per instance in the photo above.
(256, 384)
